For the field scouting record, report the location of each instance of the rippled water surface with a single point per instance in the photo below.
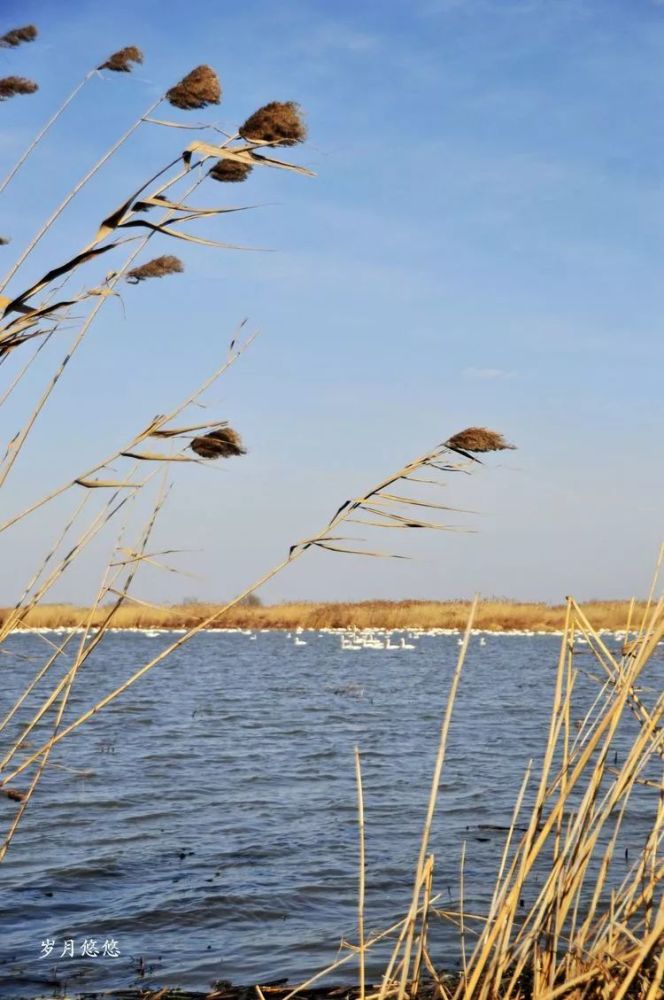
(206, 820)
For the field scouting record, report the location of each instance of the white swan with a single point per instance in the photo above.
(300, 642)
(347, 643)
(406, 645)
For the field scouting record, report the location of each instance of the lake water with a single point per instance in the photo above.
(213, 833)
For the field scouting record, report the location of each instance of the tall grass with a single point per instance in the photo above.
(122, 491)
(491, 615)
(593, 926)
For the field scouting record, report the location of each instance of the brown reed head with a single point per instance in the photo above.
(230, 171)
(479, 439)
(222, 443)
(17, 36)
(279, 123)
(4, 240)
(157, 268)
(196, 90)
(123, 60)
(10, 86)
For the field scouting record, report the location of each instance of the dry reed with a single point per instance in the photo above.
(478, 440)
(159, 267)
(362, 875)
(221, 443)
(17, 36)
(230, 171)
(491, 615)
(589, 932)
(119, 61)
(123, 60)
(196, 90)
(10, 86)
(23, 314)
(278, 123)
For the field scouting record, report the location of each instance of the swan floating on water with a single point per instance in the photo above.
(347, 643)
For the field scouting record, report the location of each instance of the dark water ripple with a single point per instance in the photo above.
(213, 834)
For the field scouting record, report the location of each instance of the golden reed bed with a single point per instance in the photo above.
(491, 615)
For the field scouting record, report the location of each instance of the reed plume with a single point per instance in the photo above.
(478, 439)
(17, 36)
(122, 61)
(230, 171)
(278, 123)
(222, 443)
(4, 240)
(196, 90)
(157, 268)
(10, 86)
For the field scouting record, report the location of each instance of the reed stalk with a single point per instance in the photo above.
(69, 197)
(433, 797)
(44, 130)
(360, 894)
(135, 441)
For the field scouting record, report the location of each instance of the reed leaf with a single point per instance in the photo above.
(245, 156)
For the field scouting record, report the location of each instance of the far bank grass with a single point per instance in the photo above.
(491, 615)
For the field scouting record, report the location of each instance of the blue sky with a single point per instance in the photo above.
(482, 244)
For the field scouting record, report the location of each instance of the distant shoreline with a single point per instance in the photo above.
(492, 616)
